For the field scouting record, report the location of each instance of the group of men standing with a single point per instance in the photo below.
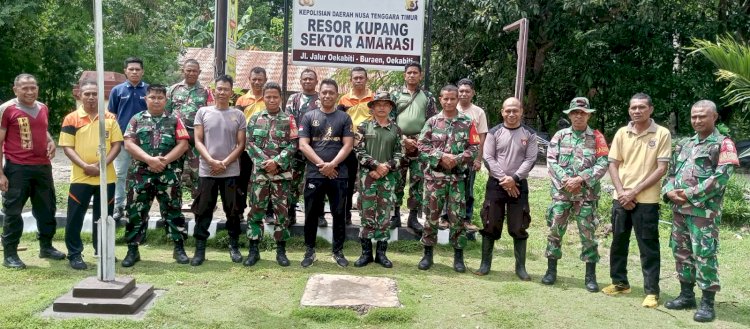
(373, 142)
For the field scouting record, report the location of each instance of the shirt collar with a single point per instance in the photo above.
(82, 113)
(140, 84)
(651, 128)
(711, 138)
(366, 96)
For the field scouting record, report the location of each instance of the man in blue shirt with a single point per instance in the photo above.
(125, 100)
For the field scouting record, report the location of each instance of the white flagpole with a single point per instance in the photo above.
(106, 231)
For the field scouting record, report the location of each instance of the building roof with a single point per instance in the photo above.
(246, 60)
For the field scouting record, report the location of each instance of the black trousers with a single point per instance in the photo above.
(316, 190)
(203, 207)
(644, 220)
(243, 181)
(352, 166)
(79, 196)
(498, 204)
(24, 182)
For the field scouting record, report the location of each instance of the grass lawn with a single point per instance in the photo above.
(221, 294)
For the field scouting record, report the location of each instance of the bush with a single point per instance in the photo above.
(736, 211)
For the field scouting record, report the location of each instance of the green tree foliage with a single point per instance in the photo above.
(732, 59)
(605, 49)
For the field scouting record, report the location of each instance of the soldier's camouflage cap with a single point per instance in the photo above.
(579, 103)
(381, 97)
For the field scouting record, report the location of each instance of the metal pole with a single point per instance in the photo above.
(106, 231)
(220, 38)
(285, 55)
(428, 45)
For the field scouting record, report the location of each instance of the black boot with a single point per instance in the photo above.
(426, 261)
(292, 215)
(488, 245)
(458, 260)
(10, 258)
(396, 219)
(366, 257)
(519, 250)
(234, 250)
(413, 223)
(322, 221)
(281, 253)
(254, 255)
(179, 252)
(200, 253)
(590, 278)
(550, 276)
(705, 312)
(380, 256)
(46, 250)
(132, 257)
(686, 299)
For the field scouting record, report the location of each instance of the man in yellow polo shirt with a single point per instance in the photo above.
(253, 100)
(79, 139)
(638, 160)
(355, 105)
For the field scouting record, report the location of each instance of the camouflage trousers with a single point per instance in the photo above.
(298, 176)
(438, 194)
(375, 204)
(190, 171)
(277, 193)
(142, 189)
(695, 243)
(416, 183)
(558, 216)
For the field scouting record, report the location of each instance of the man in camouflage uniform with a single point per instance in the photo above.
(576, 161)
(157, 141)
(413, 107)
(448, 147)
(297, 105)
(271, 144)
(379, 153)
(700, 170)
(184, 99)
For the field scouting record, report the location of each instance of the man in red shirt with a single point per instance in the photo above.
(27, 148)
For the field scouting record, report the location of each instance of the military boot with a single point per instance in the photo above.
(132, 257)
(426, 261)
(179, 252)
(488, 245)
(458, 260)
(519, 250)
(366, 257)
(396, 219)
(10, 258)
(380, 256)
(705, 312)
(234, 250)
(200, 253)
(686, 299)
(550, 276)
(281, 253)
(254, 255)
(413, 222)
(590, 278)
(46, 250)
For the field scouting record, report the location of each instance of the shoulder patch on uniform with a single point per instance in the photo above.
(728, 153)
(601, 144)
(473, 135)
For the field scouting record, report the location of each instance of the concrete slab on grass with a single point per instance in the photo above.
(140, 314)
(349, 291)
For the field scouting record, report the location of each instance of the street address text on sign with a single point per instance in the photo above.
(383, 34)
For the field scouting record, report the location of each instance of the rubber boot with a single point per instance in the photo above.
(413, 223)
(519, 250)
(705, 312)
(426, 261)
(132, 257)
(686, 299)
(234, 250)
(281, 253)
(488, 245)
(179, 252)
(458, 260)
(254, 255)
(590, 278)
(550, 276)
(380, 256)
(366, 257)
(10, 258)
(396, 219)
(200, 253)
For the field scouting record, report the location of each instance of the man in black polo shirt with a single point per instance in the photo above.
(325, 138)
